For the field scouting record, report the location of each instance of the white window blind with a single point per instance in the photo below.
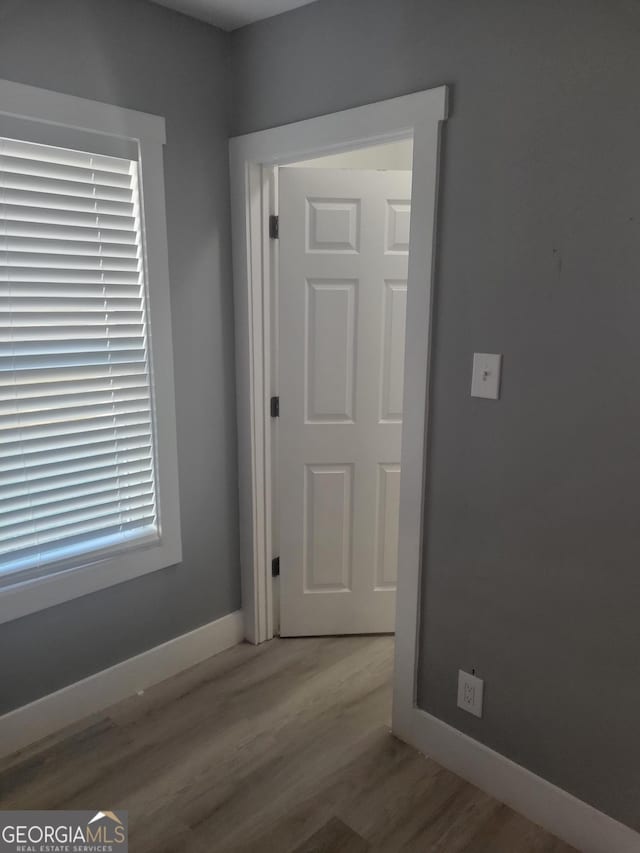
(76, 437)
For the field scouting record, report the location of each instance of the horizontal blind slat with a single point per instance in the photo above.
(15, 230)
(67, 275)
(131, 484)
(33, 332)
(76, 219)
(94, 372)
(71, 318)
(12, 263)
(71, 291)
(116, 447)
(73, 509)
(130, 462)
(69, 203)
(69, 188)
(31, 458)
(67, 304)
(37, 556)
(36, 390)
(107, 408)
(57, 533)
(21, 452)
(82, 345)
(73, 479)
(37, 412)
(62, 361)
(43, 404)
(39, 245)
(88, 423)
(36, 167)
(52, 154)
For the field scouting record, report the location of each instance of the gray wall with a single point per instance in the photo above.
(139, 55)
(533, 541)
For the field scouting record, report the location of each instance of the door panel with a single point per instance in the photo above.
(387, 526)
(331, 350)
(328, 523)
(344, 240)
(394, 314)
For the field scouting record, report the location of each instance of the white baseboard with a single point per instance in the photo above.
(557, 811)
(47, 715)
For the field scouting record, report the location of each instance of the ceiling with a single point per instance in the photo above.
(231, 14)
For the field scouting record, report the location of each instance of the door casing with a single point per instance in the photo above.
(253, 198)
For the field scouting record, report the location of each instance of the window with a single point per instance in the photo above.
(75, 398)
(88, 491)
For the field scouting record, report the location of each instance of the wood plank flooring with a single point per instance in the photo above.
(281, 748)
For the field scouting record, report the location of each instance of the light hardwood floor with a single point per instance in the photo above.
(281, 748)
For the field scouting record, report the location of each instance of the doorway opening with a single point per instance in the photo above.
(339, 292)
(253, 158)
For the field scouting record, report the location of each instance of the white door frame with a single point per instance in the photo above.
(252, 157)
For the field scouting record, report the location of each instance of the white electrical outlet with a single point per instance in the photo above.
(470, 691)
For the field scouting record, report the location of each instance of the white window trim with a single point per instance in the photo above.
(148, 132)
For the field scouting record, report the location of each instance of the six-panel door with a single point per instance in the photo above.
(344, 241)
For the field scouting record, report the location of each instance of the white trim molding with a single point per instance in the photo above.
(44, 105)
(420, 116)
(567, 817)
(53, 712)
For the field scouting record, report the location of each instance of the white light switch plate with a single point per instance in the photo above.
(485, 379)
(470, 693)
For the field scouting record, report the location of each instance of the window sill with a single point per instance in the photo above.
(28, 596)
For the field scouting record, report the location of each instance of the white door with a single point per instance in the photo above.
(344, 243)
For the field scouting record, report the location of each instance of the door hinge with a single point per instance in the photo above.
(275, 407)
(274, 226)
(275, 567)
